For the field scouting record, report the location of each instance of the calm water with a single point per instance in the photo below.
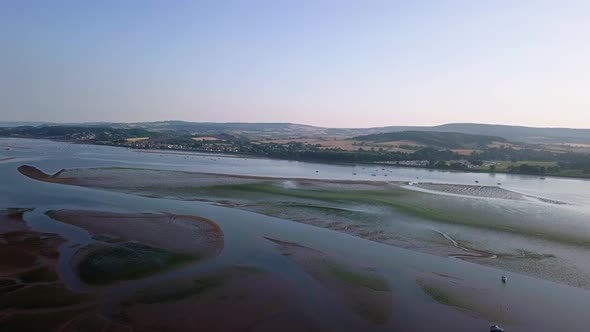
(539, 305)
(56, 156)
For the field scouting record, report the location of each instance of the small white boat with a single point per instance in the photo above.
(496, 328)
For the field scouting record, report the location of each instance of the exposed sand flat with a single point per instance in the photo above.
(182, 234)
(384, 212)
(481, 191)
(37, 174)
(472, 190)
(136, 179)
(233, 299)
(466, 296)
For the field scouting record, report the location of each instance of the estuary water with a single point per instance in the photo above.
(523, 304)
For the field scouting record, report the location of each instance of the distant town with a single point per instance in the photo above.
(412, 148)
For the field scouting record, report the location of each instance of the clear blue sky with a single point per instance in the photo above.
(328, 63)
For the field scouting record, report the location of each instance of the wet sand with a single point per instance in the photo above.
(480, 191)
(37, 174)
(191, 235)
(23, 249)
(30, 287)
(474, 299)
(462, 221)
(362, 290)
(471, 190)
(231, 299)
(134, 178)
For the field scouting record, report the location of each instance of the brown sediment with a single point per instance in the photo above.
(185, 234)
(36, 174)
(232, 299)
(22, 249)
(32, 295)
(363, 291)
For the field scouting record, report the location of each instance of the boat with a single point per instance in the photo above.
(504, 279)
(496, 328)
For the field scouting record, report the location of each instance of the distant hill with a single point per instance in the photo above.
(232, 128)
(519, 133)
(512, 133)
(447, 140)
(98, 133)
(529, 135)
(7, 124)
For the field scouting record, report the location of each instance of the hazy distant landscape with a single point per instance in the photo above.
(522, 150)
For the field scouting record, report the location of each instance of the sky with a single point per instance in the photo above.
(327, 63)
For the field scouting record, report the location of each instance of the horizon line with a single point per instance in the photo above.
(40, 122)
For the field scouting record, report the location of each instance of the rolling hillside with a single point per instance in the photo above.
(435, 139)
(529, 135)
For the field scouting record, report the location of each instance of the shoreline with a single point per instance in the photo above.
(256, 156)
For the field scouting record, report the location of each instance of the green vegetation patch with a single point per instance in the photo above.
(265, 189)
(326, 210)
(442, 297)
(448, 140)
(474, 303)
(356, 278)
(417, 204)
(107, 264)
